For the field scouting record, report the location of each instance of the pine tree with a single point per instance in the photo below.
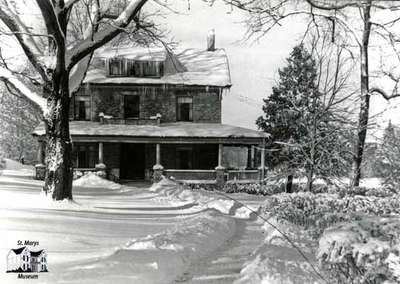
(304, 136)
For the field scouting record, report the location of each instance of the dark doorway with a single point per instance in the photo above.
(132, 161)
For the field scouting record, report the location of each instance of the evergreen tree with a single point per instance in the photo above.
(304, 136)
(388, 157)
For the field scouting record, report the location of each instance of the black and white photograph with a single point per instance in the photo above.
(200, 141)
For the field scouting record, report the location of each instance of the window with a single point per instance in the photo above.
(82, 108)
(131, 106)
(184, 109)
(135, 68)
(86, 155)
(116, 67)
(184, 158)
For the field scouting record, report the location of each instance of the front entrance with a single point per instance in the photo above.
(132, 161)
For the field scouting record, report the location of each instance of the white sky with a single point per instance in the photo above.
(253, 65)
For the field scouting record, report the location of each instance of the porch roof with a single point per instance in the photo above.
(91, 130)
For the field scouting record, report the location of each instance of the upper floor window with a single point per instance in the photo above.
(131, 106)
(135, 68)
(82, 108)
(184, 109)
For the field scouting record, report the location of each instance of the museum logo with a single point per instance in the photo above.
(25, 260)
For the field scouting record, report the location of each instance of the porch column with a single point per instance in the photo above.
(262, 166)
(101, 167)
(158, 168)
(220, 170)
(101, 153)
(40, 168)
(248, 166)
(40, 155)
(252, 157)
(220, 155)
(158, 154)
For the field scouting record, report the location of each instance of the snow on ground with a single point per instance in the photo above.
(13, 168)
(126, 235)
(278, 261)
(91, 180)
(203, 198)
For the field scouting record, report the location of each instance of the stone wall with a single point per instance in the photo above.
(153, 100)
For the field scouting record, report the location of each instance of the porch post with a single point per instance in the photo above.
(40, 168)
(220, 155)
(220, 170)
(262, 167)
(248, 166)
(40, 156)
(101, 167)
(100, 152)
(158, 168)
(158, 154)
(252, 156)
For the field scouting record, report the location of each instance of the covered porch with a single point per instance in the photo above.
(184, 151)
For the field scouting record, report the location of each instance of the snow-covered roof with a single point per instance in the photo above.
(193, 67)
(164, 130)
(18, 250)
(36, 253)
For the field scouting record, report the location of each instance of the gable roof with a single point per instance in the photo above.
(36, 253)
(18, 250)
(182, 67)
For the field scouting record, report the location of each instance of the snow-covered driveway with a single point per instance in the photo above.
(120, 235)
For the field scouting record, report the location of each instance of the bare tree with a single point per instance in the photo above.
(59, 59)
(355, 20)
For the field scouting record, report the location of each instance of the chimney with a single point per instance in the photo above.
(211, 40)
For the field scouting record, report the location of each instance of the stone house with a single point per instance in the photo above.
(141, 113)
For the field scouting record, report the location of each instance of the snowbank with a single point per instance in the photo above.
(158, 258)
(91, 180)
(177, 194)
(14, 168)
(279, 261)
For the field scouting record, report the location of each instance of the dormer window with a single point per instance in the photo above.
(120, 67)
(117, 67)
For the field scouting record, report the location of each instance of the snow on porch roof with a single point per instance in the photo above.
(200, 67)
(164, 130)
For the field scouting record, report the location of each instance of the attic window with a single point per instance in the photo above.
(134, 68)
(116, 67)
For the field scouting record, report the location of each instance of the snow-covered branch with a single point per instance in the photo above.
(8, 77)
(29, 46)
(88, 45)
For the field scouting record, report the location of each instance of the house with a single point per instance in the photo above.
(143, 113)
(24, 260)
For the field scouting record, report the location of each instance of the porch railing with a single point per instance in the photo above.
(190, 174)
(242, 175)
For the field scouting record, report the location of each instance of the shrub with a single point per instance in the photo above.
(317, 212)
(365, 251)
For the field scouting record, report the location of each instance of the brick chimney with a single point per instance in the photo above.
(211, 40)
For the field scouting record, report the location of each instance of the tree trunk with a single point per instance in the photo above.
(310, 175)
(58, 180)
(289, 184)
(365, 97)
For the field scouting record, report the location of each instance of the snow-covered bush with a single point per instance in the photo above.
(317, 212)
(253, 188)
(365, 251)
